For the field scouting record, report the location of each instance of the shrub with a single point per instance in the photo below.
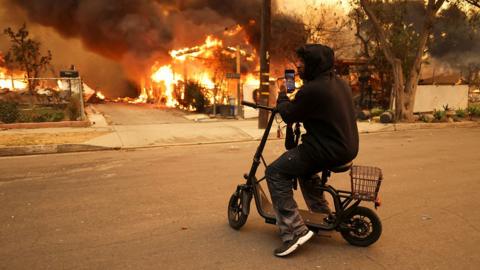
(460, 113)
(56, 116)
(376, 112)
(423, 118)
(48, 116)
(41, 115)
(25, 118)
(474, 110)
(446, 108)
(194, 97)
(439, 115)
(8, 112)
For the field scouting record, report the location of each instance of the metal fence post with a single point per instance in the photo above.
(82, 106)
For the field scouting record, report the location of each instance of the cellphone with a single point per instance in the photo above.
(290, 80)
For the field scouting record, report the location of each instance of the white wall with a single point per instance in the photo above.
(433, 97)
(248, 96)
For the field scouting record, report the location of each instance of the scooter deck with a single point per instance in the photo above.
(311, 219)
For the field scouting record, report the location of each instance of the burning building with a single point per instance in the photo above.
(206, 64)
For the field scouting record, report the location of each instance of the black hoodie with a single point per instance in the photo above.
(325, 106)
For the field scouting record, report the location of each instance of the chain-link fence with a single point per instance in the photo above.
(41, 100)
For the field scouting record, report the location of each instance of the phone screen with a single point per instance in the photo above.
(290, 80)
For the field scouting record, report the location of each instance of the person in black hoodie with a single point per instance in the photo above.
(325, 107)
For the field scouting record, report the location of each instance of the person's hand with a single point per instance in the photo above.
(282, 95)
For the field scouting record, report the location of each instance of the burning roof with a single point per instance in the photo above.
(444, 79)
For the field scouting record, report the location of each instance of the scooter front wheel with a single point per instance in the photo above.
(363, 227)
(236, 216)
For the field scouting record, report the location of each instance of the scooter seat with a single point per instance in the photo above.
(341, 168)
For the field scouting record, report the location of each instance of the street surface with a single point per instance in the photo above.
(165, 208)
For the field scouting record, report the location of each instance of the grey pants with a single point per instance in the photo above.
(279, 178)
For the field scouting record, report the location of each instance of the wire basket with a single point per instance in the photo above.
(365, 182)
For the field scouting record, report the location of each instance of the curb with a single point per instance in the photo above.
(50, 149)
(71, 148)
(418, 126)
(402, 127)
(46, 125)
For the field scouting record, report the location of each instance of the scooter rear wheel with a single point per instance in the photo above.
(363, 227)
(236, 217)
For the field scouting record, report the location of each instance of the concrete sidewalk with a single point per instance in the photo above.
(101, 136)
(224, 131)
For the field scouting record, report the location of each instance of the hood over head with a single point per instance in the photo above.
(318, 59)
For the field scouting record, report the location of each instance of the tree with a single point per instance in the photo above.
(24, 54)
(404, 87)
(326, 24)
(404, 21)
(319, 24)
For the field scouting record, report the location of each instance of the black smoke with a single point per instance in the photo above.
(456, 38)
(140, 27)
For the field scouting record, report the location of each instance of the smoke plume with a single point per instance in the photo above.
(136, 33)
(140, 27)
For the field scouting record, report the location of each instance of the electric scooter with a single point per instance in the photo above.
(358, 225)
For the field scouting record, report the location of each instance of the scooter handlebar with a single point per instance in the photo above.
(249, 104)
(257, 106)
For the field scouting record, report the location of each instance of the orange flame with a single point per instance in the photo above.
(251, 79)
(182, 54)
(163, 83)
(12, 83)
(165, 75)
(100, 95)
(233, 32)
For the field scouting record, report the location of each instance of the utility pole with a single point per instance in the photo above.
(265, 62)
(239, 86)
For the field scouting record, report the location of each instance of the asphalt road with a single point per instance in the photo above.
(165, 208)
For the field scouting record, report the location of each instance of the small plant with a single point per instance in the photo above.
(460, 113)
(48, 116)
(474, 110)
(56, 116)
(376, 111)
(423, 118)
(449, 112)
(8, 112)
(439, 115)
(41, 115)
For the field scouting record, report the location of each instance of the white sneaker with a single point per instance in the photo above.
(290, 246)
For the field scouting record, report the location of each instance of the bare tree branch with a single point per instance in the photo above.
(432, 8)
(475, 3)
(380, 31)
